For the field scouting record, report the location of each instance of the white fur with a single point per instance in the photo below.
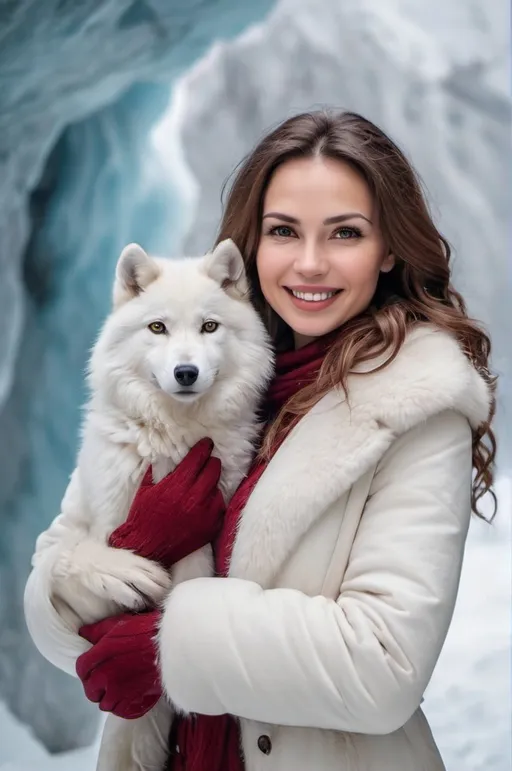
(137, 415)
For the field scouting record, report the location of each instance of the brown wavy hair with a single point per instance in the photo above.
(418, 289)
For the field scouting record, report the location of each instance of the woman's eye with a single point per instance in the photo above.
(346, 233)
(282, 231)
(210, 326)
(157, 327)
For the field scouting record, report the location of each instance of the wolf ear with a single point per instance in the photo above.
(135, 270)
(226, 266)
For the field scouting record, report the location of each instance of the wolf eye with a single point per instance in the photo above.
(157, 327)
(210, 326)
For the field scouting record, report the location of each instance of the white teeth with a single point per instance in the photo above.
(312, 298)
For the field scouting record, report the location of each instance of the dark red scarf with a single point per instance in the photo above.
(212, 743)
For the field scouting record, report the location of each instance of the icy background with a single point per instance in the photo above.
(125, 131)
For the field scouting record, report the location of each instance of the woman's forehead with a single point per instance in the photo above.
(318, 185)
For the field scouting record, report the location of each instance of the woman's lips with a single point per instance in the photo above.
(313, 305)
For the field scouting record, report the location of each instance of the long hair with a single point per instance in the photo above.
(417, 289)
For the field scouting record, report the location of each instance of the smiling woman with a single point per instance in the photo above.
(318, 272)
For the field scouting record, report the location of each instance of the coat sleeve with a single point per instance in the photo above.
(51, 628)
(358, 664)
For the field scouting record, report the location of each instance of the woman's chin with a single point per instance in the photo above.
(312, 330)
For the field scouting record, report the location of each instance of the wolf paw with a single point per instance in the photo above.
(134, 583)
(94, 577)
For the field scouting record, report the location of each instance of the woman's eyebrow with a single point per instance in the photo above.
(284, 217)
(329, 221)
(343, 217)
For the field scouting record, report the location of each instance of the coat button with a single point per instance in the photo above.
(265, 745)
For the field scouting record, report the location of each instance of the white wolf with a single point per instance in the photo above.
(182, 356)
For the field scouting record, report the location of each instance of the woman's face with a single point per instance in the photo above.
(321, 248)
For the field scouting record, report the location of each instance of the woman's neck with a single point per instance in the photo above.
(300, 341)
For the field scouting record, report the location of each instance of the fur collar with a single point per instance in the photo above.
(337, 442)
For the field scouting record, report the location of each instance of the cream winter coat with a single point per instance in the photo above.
(343, 577)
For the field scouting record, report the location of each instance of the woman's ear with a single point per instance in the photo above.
(388, 263)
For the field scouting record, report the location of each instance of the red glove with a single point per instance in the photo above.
(180, 514)
(120, 671)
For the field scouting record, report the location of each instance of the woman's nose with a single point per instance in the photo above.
(310, 261)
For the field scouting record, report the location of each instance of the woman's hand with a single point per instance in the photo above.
(120, 671)
(178, 515)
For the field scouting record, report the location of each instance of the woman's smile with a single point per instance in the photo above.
(312, 298)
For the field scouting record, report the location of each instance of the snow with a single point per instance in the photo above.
(468, 703)
(21, 751)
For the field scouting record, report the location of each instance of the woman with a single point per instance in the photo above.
(339, 557)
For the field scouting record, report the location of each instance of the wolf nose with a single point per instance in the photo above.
(186, 374)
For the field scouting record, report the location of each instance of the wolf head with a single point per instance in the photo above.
(182, 328)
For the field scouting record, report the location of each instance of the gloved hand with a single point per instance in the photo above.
(178, 515)
(120, 671)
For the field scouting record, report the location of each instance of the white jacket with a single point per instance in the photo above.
(343, 577)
